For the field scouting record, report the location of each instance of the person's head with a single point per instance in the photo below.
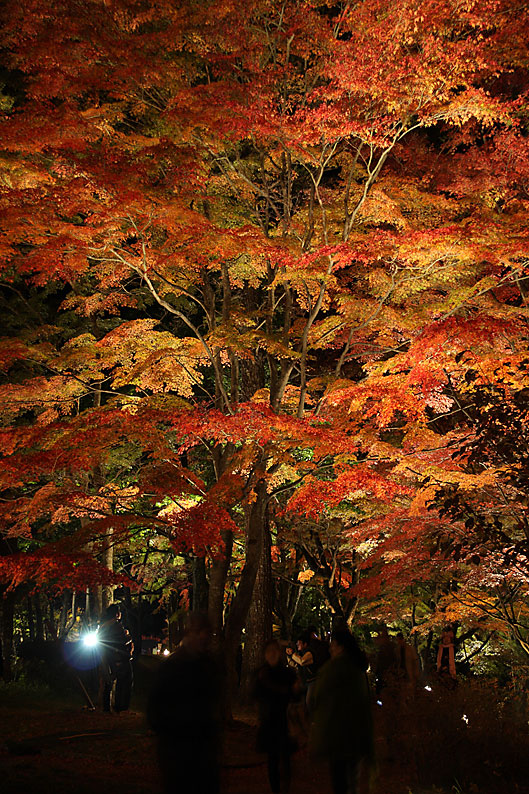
(303, 641)
(343, 642)
(197, 632)
(272, 653)
(382, 637)
(112, 612)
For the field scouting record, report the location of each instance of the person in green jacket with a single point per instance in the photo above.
(342, 730)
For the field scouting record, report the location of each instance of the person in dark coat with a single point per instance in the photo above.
(116, 660)
(184, 711)
(274, 688)
(342, 730)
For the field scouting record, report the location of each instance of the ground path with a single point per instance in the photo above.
(58, 748)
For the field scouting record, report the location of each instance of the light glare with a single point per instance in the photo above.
(91, 639)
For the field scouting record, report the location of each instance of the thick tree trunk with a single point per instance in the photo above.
(199, 600)
(8, 645)
(40, 636)
(258, 628)
(217, 586)
(31, 621)
(243, 598)
(107, 594)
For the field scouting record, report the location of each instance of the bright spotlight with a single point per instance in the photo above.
(428, 688)
(91, 639)
(166, 652)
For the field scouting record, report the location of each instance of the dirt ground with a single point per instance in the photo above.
(83, 752)
(56, 747)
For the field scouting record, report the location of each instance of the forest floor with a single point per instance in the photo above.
(49, 745)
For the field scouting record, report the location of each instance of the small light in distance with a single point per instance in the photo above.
(428, 688)
(91, 639)
(465, 718)
(166, 652)
(379, 702)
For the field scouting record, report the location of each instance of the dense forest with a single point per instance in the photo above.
(264, 288)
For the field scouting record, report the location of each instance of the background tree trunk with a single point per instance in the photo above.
(8, 645)
(40, 636)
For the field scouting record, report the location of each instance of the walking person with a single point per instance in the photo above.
(275, 686)
(184, 710)
(342, 730)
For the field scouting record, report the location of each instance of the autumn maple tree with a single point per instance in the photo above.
(252, 253)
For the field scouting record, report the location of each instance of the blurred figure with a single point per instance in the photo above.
(116, 660)
(302, 661)
(318, 648)
(275, 686)
(342, 730)
(386, 662)
(408, 664)
(184, 711)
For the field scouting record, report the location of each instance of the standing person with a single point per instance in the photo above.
(408, 664)
(184, 710)
(303, 660)
(275, 685)
(116, 660)
(342, 730)
(386, 662)
(319, 650)
(446, 660)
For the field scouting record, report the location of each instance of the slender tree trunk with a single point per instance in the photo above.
(98, 601)
(31, 621)
(286, 602)
(70, 621)
(51, 622)
(63, 617)
(87, 608)
(8, 645)
(108, 561)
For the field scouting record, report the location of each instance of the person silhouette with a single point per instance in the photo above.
(184, 711)
(116, 661)
(342, 729)
(274, 687)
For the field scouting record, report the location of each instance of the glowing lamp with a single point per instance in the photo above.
(91, 639)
